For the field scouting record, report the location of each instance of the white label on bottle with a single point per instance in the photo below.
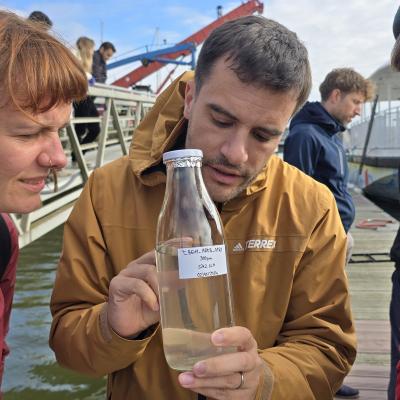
(202, 262)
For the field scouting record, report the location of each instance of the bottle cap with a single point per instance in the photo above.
(171, 155)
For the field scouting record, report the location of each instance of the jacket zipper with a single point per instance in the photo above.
(341, 159)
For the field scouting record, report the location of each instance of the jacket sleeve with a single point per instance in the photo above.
(301, 149)
(80, 336)
(97, 69)
(398, 382)
(7, 286)
(316, 345)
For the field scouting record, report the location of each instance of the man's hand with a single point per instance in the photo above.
(221, 377)
(133, 297)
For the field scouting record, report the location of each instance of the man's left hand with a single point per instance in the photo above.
(228, 376)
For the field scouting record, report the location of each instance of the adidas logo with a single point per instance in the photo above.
(238, 247)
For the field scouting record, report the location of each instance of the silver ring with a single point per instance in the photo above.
(241, 380)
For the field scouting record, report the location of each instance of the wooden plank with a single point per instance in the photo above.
(370, 370)
(370, 288)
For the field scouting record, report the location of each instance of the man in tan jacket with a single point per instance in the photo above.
(294, 333)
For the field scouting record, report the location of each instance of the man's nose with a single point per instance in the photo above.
(234, 148)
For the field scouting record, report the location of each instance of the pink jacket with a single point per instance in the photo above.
(7, 284)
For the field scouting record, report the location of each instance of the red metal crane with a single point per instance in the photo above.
(247, 8)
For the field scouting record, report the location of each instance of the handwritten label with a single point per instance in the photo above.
(202, 262)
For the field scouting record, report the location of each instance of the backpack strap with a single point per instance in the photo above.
(5, 246)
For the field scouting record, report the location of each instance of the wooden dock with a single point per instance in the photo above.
(370, 287)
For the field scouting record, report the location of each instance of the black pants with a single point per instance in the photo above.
(86, 132)
(395, 332)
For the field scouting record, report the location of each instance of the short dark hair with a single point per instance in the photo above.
(107, 46)
(42, 18)
(261, 52)
(395, 60)
(347, 81)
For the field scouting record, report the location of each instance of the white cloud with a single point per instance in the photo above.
(60, 9)
(14, 10)
(190, 16)
(339, 33)
(354, 33)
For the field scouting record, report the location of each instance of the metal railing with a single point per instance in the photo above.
(385, 134)
(121, 110)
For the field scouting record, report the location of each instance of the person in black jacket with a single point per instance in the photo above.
(395, 256)
(395, 317)
(314, 147)
(100, 58)
(87, 132)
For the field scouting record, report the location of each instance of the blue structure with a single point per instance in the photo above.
(152, 56)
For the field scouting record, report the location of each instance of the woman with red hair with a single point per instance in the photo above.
(39, 79)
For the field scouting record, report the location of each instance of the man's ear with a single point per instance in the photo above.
(190, 91)
(336, 96)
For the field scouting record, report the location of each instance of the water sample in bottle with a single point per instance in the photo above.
(192, 267)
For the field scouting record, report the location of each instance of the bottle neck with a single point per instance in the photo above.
(184, 162)
(188, 210)
(184, 177)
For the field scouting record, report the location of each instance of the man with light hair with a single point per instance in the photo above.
(313, 144)
(314, 147)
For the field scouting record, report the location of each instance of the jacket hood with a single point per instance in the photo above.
(159, 131)
(315, 113)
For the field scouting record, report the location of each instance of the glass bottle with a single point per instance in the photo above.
(192, 267)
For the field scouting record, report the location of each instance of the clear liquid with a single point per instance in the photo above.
(191, 309)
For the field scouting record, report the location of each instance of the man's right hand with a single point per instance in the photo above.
(133, 297)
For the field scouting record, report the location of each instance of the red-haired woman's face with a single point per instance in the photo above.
(27, 150)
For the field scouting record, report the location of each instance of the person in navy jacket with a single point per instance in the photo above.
(314, 147)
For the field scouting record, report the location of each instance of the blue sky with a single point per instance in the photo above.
(337, 33)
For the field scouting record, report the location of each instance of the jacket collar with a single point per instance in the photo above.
(315, 113)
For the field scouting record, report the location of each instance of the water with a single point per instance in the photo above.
(191, 309)
(185, 347)
(31, 371)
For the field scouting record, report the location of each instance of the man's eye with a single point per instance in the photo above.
(261, 137)
(222, 124)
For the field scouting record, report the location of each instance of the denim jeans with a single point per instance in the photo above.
(395, 331)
